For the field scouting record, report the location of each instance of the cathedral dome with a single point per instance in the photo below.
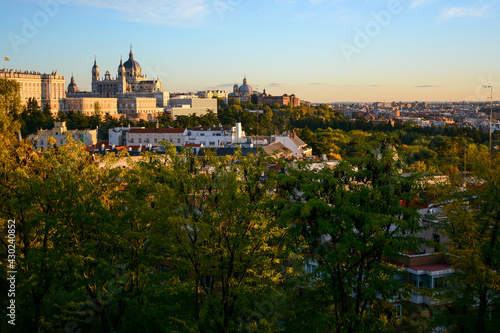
(245, 88)
(72, 87)
(132, 67)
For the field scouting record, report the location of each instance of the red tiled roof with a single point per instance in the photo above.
(157, 130)
(431, 267)
(134, 148)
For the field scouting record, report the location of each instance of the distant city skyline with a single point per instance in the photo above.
(322, 51)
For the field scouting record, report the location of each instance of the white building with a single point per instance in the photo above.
(118, 135)
(294, 143)
(153, 136)
(216, 136)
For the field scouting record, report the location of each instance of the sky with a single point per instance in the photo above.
(323, 51)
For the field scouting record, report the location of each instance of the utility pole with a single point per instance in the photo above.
(491, 110)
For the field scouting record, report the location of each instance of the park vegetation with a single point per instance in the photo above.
(179, 243)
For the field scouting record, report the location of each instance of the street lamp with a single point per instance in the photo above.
(491, 109)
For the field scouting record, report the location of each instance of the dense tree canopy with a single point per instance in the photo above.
(179, 243)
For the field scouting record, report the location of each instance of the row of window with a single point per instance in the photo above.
(146, 140)
(426, 281)
(213, 134)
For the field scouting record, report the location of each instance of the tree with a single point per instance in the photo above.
(472, 225)
(10, 105)
(33, 118)
(58, 200)
(48, 119)
(219, 232)
(349, 220)
(96, 117)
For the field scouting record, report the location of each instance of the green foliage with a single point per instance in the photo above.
(350, 220)
(10, 106)
(472, 226)
(178, 243)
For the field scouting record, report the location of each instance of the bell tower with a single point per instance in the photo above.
(95, 77)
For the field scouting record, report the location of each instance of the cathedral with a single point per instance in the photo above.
(129, 80)
(128, 93)
(244, 92)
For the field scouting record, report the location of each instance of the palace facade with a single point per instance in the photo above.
(46, 89)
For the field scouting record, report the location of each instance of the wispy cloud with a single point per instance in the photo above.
(458, 12)
(276, 84)
(418, 3)
(165, 12)
(428, 86)
(224, 85)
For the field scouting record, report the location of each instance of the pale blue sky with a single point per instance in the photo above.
(321, 50)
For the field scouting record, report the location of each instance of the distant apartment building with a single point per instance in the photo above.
(214, 94)
(153, 136)
(46, 89)
(212, 136)
(441, 122)
(60, 133)
(189, 105)
(118, 135)
(428, 269)
(137, 105)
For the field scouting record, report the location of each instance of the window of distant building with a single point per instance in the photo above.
(156, 140)
(398, 308)
(437, 238)
(140, 140)
(310, 268)
(178, 140)
(440, 282)
(131, 140)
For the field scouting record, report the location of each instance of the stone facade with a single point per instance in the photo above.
(129, 80)
(46, 89)
(87, 105)
(135, 105)
(185, 106)
(129, 93)
(284, 100)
